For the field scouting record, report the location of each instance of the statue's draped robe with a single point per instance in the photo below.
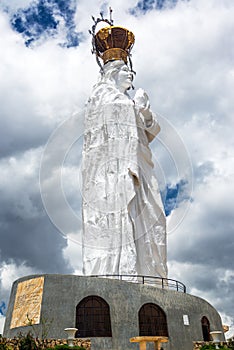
(124, 226)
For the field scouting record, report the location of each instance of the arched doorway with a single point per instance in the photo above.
(152, 321)
(205, 328)
(93, 317)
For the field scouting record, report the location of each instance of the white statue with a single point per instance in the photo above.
(124, 226)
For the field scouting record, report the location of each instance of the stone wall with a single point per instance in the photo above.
(62, 294)
(45, 343)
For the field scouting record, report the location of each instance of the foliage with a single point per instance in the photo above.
(212, 347)
(27, 342)
(3, 347)
(43, 331)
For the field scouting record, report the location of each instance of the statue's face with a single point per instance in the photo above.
(124, 78)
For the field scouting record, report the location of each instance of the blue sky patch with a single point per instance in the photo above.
(42, 19)
(173, 195)
(144, 6)
(2, 308)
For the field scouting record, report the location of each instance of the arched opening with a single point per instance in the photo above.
(205, 328)
(93, 318)
(152, 321)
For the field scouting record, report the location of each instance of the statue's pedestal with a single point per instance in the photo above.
(55, 302)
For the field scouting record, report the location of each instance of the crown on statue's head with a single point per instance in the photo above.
(112, 42)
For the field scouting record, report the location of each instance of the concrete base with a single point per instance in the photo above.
(62, 293)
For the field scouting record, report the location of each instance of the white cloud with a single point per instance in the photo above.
(73, 252)
(2, 322)
(10, 272)
(21, 188)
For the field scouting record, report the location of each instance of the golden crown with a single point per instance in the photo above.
(112, 42)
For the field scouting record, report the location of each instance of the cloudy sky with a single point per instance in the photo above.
(183, 56)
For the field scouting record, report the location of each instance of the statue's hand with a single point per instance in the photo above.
(142, 103)
(141, 99)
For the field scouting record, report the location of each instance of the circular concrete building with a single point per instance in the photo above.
(109, 311)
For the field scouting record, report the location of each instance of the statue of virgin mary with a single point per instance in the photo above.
(124, 225)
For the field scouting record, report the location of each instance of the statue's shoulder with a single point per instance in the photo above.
(106, 94)
(103, 88)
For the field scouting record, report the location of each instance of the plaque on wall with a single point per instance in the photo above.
(27, 306)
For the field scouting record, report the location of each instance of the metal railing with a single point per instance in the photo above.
(163, 283)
